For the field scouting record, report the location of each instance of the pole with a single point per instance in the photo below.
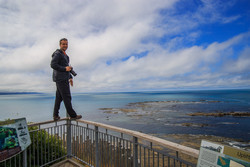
(69, 146)
(96, 147)
(135, 151)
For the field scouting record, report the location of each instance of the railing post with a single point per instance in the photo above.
(96, 147)
(25, 158)
(69, 145)
(135, 151)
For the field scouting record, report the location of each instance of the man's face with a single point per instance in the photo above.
(64, 45)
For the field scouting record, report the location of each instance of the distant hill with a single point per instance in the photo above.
(15, 93)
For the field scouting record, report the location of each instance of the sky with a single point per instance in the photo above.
(126, 45)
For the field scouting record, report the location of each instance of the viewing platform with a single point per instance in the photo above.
(67, 143)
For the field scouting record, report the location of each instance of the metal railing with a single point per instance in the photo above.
(99, 145)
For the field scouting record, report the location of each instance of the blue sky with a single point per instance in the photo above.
(127, 45)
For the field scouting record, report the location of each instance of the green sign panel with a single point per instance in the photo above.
(14, 137)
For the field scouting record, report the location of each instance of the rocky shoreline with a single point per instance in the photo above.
(222, 114)
(194, 141)
(150, 109)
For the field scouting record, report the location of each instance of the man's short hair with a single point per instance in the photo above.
(63, 39)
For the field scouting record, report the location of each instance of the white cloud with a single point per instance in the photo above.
(163, 67)
(240, 65)
(109, 31)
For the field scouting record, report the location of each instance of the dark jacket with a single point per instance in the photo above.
(59, 63)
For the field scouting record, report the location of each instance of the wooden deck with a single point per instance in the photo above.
(68, 163)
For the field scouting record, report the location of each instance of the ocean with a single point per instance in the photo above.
(156, 112)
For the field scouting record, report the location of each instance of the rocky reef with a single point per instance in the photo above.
(221, 114)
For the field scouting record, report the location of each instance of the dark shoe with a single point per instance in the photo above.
(56, 118)
(77, 117)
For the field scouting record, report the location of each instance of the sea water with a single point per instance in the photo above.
(158, 112)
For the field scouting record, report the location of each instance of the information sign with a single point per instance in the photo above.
(14, 137)
(218, 155)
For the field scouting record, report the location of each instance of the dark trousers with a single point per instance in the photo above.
(63, 94)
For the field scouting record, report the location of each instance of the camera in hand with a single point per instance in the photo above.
(73, 72)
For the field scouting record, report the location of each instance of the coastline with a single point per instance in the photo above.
(186, 117)
(163, 112)
(194, 141)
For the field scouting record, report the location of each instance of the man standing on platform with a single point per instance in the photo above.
(62, 77)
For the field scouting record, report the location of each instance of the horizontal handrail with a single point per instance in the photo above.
(184, 149)
(47, 122)
(162, 142)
